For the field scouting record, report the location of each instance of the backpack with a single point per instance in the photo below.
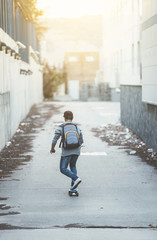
(70, 136)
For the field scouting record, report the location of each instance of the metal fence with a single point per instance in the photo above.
(13, 23)
(25, 33)
(7, 22)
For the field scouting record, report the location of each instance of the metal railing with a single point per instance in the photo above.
(7, 16)
(15, 25)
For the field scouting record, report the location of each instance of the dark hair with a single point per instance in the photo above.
(68, 115)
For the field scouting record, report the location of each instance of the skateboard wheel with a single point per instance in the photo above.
(73, 193)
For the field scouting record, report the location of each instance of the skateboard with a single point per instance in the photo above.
(73, 193)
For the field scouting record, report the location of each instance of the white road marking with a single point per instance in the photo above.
(93, 154)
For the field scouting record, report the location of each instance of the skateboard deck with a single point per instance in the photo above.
(73, 193)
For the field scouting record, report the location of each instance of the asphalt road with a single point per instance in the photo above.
(117, 194)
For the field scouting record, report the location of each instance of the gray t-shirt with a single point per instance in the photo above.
(66, 152)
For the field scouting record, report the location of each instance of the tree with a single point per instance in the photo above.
(31, 14)
(52, 78)
(29, 9)
(41, 28)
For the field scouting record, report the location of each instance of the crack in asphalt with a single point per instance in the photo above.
(11, 227)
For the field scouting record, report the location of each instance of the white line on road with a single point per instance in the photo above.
(93, 154)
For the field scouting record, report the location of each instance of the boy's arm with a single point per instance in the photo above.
(55, 139)
(52, 148)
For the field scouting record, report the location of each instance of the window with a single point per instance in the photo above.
(90, 59)
(139, 55)
(140, 7)
(133, 57)
(121, 59)
(133, 8)
(73, 59)
(139, 62)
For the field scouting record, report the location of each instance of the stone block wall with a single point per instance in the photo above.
(139, 116)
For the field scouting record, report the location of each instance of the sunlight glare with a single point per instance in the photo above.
(71, 8)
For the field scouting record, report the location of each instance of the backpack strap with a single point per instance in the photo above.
(61, 143)
(62, 137)
(77, 129)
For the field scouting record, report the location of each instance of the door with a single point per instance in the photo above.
(73, 89)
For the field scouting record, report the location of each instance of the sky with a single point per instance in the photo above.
(71, 8)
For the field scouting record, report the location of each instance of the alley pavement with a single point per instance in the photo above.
(117, 196)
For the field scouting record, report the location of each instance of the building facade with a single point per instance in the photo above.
(132, 49)
(140, 112)
(122, 45)
(20, 69)
(82, 70)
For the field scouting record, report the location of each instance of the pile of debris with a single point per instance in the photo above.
(119, 135)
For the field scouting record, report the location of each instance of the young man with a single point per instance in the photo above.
(71, 140)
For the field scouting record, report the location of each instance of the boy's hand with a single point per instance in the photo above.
(52, 150)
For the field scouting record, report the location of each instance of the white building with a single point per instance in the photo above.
(130, 61)
(149, 52)
(122, 44)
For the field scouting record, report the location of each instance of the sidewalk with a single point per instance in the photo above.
(118, 191)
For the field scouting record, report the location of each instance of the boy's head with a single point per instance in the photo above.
(68, 115)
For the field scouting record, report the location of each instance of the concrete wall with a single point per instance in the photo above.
(20, 88)
(149, 51)
(140, 117)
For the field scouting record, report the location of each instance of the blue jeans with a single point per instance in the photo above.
(71, 162)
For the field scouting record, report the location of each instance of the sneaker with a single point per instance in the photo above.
(73, 190)
(76, 183)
